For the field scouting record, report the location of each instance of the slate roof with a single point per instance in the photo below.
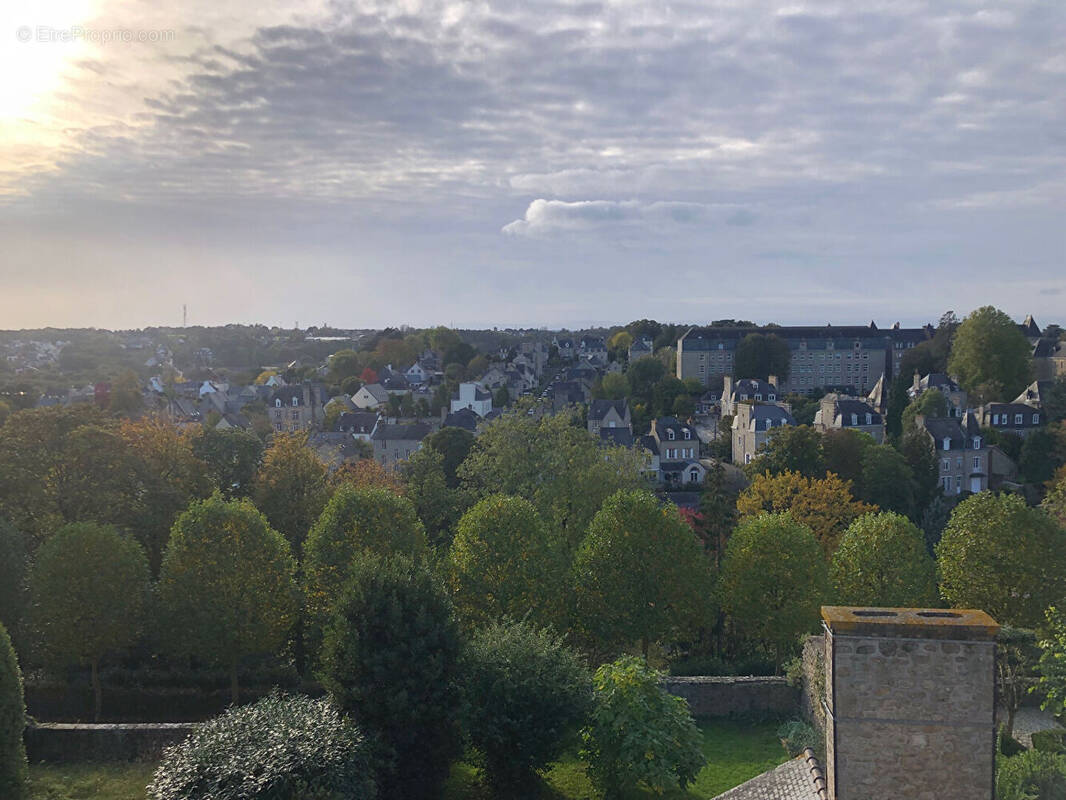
(941, 428)
(598, 409)
(770, 415)
(464, 418)
(357, 421)
(846, 406)
(752, 387)
(816, 337)
(622, 437)
(415, 432)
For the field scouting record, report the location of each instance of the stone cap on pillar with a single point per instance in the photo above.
(916, 623)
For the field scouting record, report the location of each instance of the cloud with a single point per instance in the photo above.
(545, 217)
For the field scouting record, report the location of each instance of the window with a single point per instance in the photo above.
(296, 401)
(1036, 419)
(688, 433)
(945, 465)
(958, 484)
(995, 419)
(854, 419)
(947, 483)
(771, 396)
(747, 458)
(977, 462)
(277, 402)
(1018, 419)
(958, 463)
(670, 434)
(977, 443)
(758, 396)
(947, 443)
(869, 419)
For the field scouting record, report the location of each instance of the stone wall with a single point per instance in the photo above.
(812, 695)
(911, 704)
(60, 742)
(726, 696)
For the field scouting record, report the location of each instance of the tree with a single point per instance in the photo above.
(773, 582)
(619, 343)
(1055, 502)
(558, 467)
(643, 374)
(930, 404)
(882, 561)
(366, 474)
(290, 487)
(718, 512)
(454, 444)
(1039, 457)
(844, 450)
(887, 480)
(1052, 664)
(1016, 656)
(89, 587)
(640, 574)
(13, 565)
(227, 588)
(760, 355)
(526, 695)
(990, 356)
(825, 506)
(232, 457)
(390, 660)
(999, 555)
(639, 734)
(791, 448)
(504, 563)
(438, 506)
(920, 456)
(13, 767)
(501, 398)
(614, 386)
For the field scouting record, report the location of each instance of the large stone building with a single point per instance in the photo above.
(838, 412)
(963, 454)
(752, 425)
(297, 408)
(850, 358)
(396, 443)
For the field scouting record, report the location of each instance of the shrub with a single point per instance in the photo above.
(527, 694)
(796, 735)
(1050, 741)
(1031, 775)
(1006, 744)
(12, 722)
(389, 658)
(279, 748)
(638, 733)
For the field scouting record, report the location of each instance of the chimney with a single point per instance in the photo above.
(772, 380)
(910, 703)
(727, 389)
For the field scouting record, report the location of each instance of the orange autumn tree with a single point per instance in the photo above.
(825, 505)
(366, 474)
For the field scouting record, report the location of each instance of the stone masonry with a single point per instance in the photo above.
(910, 703)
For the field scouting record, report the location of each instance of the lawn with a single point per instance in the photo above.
(736, 751)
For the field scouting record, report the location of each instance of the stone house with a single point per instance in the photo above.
(640, 347)
(753, 424)
(609, 414)
(296, 408)
(394, 444)
(746, 390)
(838, 412)
(1020, 419)
(957, 398)
(678, 450)
(962, 453)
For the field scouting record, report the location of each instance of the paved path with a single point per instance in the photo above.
(790, 781)
(1029, 720)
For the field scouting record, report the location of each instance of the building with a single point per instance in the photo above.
(297, 408)
(472, 396)
(609, 414)
(594, 349)
(746, 390)
(1020, 419)
(1049, 359)
(394, 444)
(957, 398)
(849, 357)
(642, 346)
(370, 396)
(839, 412)
(962, 453)
(677, 447)
(752, 426)
(358, 424)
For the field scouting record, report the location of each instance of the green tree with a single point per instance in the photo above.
(13, 768)
(887, 480)
(773, 582)
(643, 374)
(390, 660)
(227, 588)
(614, 386)
(504, 563)
(526, 695)
(1039, 457)
(640, 574)
(501, 398)
(930, 404)
(791, 448)
(718, 512)
(639, 733)
(89, 587)
(232, 457)
(559, 468)
(290, 487)
(13, 565)
(438, 505)
(760, 355)
(1055, 502)
(991, 356)
(126, 396)
(844, 450)
(882, 561)
(1016, 656)
(920, 456)
(1052, 664)
(454, 445)
(999, 555)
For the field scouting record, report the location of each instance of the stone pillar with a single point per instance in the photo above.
(910, 703)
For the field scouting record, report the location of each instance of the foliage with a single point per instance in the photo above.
(760, 355)
(640, 574)
(558, 467)
(920, 456)
(366, 474)
(999, 555)
(88, 587)
(1039, 457)
(438, 505)
(614, 386)
(797, 735)
(12, 723)
(13, 565)
(279, 748)
(126, 398)
(454, 445)
(526, 696)
(1016, 656)
(773, 581)
(1031, 775)
(390, 659)
(718, 512)
(1052, 664)
(825, 506)
(882, 561)
(790, 448)
(887, 480)
(1055, 501)
(1053, 741)
(990, 356)
(227, 588)
(232, 457)
(290, 487)
(639, 734)
(931, 404)
(844, 450)
(504, 563)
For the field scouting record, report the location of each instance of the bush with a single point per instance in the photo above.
(12, 722)
(1007, 745)
(1050, 741)
(527, 694)
(279, 748)
(639, 733)
(796, 735)
(390, 658)
(1031, 776)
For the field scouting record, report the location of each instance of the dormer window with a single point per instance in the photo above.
(688, 433)
(977, 443)
(854, 419)
(277, 403)
(670, 434)
(771, 397)
(869, 419)
(296, 401)
(947, 443)
(758, 396)
(1018, 419)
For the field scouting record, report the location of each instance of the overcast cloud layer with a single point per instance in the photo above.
(538, 163)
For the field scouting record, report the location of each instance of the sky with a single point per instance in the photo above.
(530, 162)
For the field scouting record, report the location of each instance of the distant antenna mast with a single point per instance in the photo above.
(184, 315)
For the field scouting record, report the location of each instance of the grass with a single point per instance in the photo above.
(736, 751)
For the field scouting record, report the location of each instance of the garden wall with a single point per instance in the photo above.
(813, 692)
(59, 742)
(727, 696)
